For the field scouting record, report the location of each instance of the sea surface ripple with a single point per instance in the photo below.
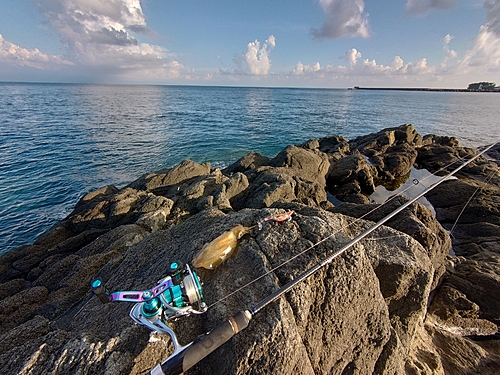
(60, 141)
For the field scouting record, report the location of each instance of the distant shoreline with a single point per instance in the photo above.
(418, 89)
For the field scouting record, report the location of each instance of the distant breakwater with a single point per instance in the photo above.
(418, 89)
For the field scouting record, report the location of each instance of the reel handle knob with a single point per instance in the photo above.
(100, 290)
(174, 270)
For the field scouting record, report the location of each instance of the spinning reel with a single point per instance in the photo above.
(178, 294)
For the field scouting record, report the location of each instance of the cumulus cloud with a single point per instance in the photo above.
(100, 36)
(485, 54)
(357, 67)
(397, 63)
(13, 54)
(425, 6)
(343, 18)
(301, 69)
(450, 53)
(352, 56)
(255, 61)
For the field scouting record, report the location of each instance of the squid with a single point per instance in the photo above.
(214, 253)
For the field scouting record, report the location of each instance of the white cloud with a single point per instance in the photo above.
(352, 56)
(397, 63)
(484, 57)
(99, 36)
(365, 69)
(343, 18)
(425, 6)
(13, 54)
(255, 60)
(451, 53)
(301, 69)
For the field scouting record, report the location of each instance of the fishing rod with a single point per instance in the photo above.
(201, 347)
(180, 292)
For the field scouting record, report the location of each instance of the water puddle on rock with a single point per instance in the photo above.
(410, 186)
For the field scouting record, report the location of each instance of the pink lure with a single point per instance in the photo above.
(286, 216)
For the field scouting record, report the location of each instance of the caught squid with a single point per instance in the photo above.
(217, 251)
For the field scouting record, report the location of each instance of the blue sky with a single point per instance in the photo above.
(300, 43)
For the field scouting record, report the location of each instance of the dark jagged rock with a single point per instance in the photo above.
(381, 142)
(332, 145)
(397, 161)
(295, 174)
(445, 155)
(369, 311)
(250, 161)
(171, 176)
(351, 169)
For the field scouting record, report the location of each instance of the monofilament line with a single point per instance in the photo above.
(365, 233)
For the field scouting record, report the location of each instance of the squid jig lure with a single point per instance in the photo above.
(220, 249)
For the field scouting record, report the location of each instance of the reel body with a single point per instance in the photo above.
(178, 294)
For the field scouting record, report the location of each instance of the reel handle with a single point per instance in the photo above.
(100, 290)
(203, 345)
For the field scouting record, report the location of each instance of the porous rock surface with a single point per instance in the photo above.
(395, 303)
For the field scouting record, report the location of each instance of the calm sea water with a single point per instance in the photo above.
(59, 141)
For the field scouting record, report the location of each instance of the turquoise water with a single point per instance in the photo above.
(59, 141)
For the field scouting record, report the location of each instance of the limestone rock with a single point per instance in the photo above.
(397, 161)
(295, 174)
(348, 170)
(200, 192)
(171, 176)
(336, 321)
(444, 155)
(479, 281)
(267, 189)
(230, 191)
(379, 143)
(306, 163)
(335, 144)
(251, 161)
(405, 275)
(457, 314)
(123, 207)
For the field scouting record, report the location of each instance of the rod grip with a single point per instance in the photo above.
(206, 344)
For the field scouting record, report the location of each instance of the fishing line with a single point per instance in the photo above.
(385, 237)
(474, 195)
(415, 183)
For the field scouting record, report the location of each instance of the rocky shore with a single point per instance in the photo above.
(396, 303)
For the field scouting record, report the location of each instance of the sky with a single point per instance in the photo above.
(299, 43)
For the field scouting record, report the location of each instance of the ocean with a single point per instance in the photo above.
(60, 141)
